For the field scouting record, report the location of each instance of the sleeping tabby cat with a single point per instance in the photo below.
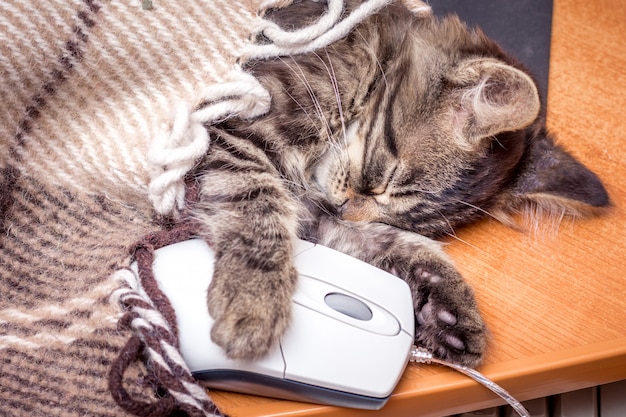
(409, 127)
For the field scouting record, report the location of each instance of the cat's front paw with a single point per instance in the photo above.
(250, 316)
(448, 321)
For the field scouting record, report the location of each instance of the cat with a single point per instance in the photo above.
(403, 131)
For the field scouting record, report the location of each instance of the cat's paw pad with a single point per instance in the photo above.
(448, 321)
(426, 275)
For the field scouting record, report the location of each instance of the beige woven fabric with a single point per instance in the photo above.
(85, 86)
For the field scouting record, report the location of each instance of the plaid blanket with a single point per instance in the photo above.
(85, 85)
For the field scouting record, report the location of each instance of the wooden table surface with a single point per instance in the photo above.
(555, 302)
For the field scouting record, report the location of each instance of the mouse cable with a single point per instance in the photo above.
(422, 355)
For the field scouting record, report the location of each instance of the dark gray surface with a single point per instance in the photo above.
(522, 27)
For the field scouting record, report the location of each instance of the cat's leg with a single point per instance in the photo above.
(250, 220)
(448, 321)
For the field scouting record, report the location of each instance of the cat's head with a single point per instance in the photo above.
(438, 127)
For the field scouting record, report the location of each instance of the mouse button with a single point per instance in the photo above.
(311, 293)
(326, 264)
(382, 322)
(321, 351)
(348, 305)
(352, 275)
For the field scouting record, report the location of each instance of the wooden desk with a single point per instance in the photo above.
(555, 303)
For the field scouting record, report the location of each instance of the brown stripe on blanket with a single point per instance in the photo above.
(58, 326)
(71, 54)
(53, 237)
(8, 177)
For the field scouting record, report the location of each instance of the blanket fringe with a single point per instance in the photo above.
(153, 320)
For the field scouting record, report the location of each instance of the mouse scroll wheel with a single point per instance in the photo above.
(348, 305)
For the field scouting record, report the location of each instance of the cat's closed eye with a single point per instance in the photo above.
(381, 183)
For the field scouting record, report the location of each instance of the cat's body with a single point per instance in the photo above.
(399, 133)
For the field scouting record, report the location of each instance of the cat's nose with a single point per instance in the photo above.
(359, 208)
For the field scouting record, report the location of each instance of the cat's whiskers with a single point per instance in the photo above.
(333, 146)
(333, 80)
(448, 223)
(494, 139)
(453, 234)
(295, 100)
(336, 147)
(299, 73)
(382, 71)
(479, 209)
(303, 186)
(455, 237)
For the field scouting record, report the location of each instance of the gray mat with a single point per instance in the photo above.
(522, 27)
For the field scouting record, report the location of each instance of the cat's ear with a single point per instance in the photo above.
(491, 97)
(552, 181)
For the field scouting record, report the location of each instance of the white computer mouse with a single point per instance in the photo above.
(347, 345)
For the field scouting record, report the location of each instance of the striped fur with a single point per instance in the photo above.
(406, 129)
